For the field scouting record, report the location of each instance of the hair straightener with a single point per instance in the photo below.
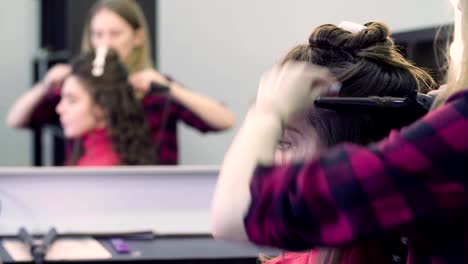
(413, 103)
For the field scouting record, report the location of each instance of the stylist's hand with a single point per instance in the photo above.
(142, 80)
(441, 89)
(292, 88)
(56, 75)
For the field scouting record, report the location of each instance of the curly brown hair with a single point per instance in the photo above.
(126, 123)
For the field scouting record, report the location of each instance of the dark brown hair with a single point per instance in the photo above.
(126, 122)
(367, 63)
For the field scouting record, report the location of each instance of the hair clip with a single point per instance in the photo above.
(351, 26)
(99, 61)
(38, 248)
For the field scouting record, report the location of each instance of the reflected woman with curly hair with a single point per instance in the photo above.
(98, 107)
(122, 26)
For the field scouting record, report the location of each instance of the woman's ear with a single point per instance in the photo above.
(138, 38)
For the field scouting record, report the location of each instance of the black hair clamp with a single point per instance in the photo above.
(38, 248)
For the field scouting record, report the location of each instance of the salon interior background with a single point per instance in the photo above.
(217, 47)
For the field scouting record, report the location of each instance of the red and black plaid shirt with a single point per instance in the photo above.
(413, 183)
(156, 106)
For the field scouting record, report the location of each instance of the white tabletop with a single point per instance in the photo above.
(166, 199)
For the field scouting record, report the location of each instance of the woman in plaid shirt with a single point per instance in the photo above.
(413, 182)
(121, 25)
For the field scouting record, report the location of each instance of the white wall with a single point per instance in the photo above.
(18, 42)
(221, 47)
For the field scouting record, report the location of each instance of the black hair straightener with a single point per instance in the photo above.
(404, 109)
(413, 102)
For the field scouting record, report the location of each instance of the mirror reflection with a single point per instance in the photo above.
(183, 73)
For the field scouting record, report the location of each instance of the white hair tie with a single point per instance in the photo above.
(351, 26)
(99, 61)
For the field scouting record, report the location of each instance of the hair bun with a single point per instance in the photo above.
(333, 37)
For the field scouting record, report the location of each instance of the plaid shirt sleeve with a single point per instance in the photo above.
(353, 192)
(191, 119)
(44, 113)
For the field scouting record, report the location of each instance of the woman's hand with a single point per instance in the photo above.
(292, 88)
(21, 111)
(57, 74)
(142, 80)
(441, 89)
(283, 92)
